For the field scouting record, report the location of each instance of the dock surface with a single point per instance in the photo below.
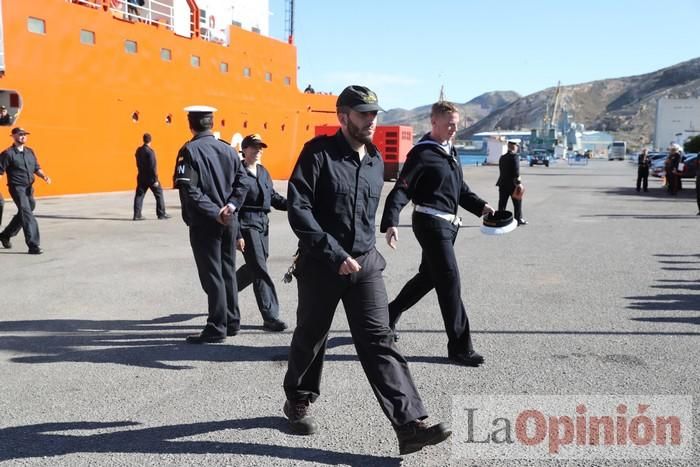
(598, 295)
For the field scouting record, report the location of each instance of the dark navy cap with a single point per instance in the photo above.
(19, 131)
(359, 99)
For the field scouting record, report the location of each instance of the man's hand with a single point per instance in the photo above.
(487, 210)
(519, 191)
(225, 215)
(47, 179)
(349, 266)
(240, 245)
(392, 236)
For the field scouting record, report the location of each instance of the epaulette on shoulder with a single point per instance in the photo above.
(224, 141)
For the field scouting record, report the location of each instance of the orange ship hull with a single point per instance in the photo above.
(78, 101)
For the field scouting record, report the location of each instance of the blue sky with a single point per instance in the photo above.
(405, 50)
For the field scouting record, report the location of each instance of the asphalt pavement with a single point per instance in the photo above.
(598, 295)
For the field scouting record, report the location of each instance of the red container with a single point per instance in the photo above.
(393, 142)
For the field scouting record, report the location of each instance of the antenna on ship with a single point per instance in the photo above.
(289, 21)
(442, 93)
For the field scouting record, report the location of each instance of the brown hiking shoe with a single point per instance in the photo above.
(414, 436)
(300, 422)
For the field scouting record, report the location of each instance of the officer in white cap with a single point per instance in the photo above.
(212, 185)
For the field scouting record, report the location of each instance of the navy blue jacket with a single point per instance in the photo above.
(259, 200)
(19, 165)
(209, 174)
(430, 177)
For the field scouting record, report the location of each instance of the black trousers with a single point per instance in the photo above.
(23, 196)
(254, 271)
(214, 253)
(364, 298)
(503, 196)
(438, 270)
(643, 178)
(2, 207)
(157, 191)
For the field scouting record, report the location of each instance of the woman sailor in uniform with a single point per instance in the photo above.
(253, 239)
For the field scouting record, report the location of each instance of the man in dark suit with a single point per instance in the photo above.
(509, 185)
(146, 179)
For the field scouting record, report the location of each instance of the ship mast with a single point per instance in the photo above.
(289, 21)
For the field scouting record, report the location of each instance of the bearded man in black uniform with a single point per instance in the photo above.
(333, 195)
(432, 179)
(212, 185)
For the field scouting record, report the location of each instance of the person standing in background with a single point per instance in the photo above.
(509, 184)
(146, 179)
(643, 163)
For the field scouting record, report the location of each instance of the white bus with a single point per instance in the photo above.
(617, 150)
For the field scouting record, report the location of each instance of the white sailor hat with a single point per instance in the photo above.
(498, 223)
(200, 109)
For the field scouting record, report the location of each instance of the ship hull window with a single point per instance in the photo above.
(36, 25)
(87, 37)
(131, 47)
(166, 54)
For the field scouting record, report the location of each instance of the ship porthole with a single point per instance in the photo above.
(265, 125)
(283, 126)
(245, 124)
(169, 119)
(135, 116)
(223, 123)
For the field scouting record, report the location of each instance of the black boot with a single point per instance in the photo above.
(415, 435)
(300, 422)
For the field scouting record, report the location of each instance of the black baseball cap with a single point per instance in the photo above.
(254, 139)
(359, 99)
(19, 131)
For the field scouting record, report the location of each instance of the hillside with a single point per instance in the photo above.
(470, 112)
(625, 106)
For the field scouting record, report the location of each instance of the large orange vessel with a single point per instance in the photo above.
(88, 77)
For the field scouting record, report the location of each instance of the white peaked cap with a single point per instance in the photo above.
(200, 108)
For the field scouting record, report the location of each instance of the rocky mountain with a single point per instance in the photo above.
(626, 107)
(470, 112)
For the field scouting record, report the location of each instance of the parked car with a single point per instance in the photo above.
(690, 165)
(540, 158)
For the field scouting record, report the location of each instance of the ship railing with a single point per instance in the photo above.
(151, 12)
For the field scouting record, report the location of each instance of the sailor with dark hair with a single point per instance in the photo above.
(432, 179)
(333, 195)
(253, 240)
(147, 178)
(212, 185)
(21, 165)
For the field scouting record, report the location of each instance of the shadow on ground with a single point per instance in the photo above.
(55, 439)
